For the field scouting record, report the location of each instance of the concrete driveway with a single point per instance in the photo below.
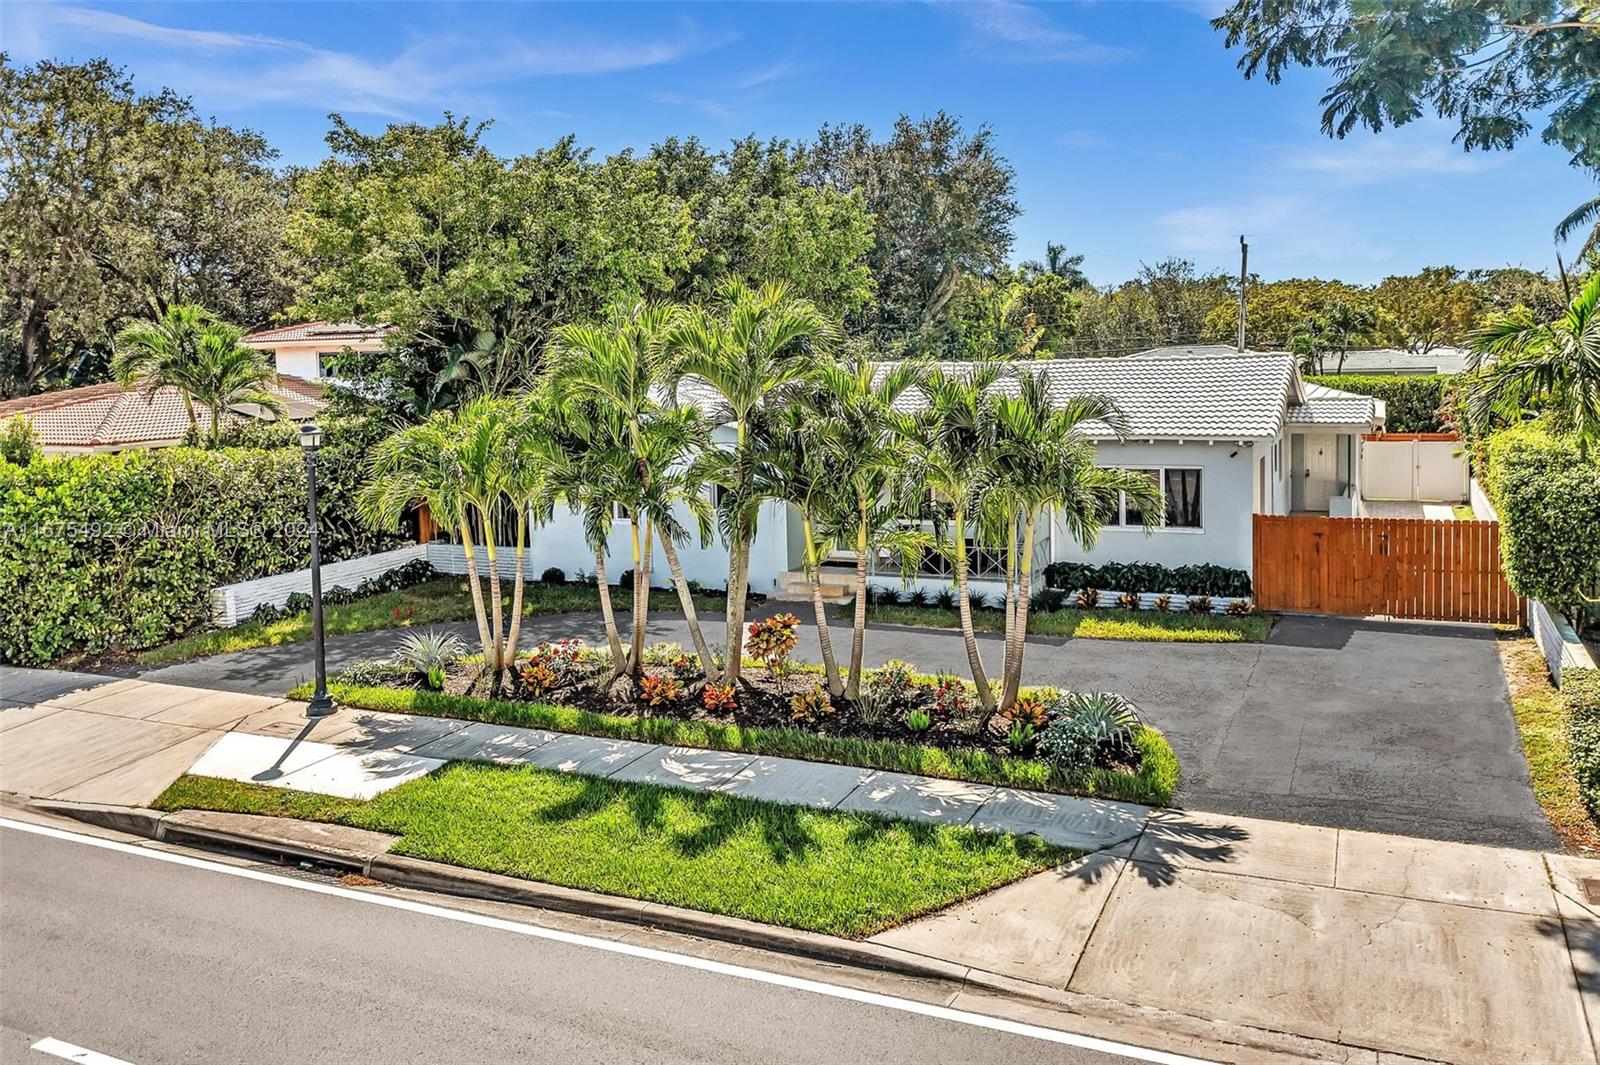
(1400, 727)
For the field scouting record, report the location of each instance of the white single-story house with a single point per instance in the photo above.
(108, 417)
(303, 349)
(1381, 361)
(1225, 438)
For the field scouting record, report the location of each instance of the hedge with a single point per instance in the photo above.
(1415, 401)
(1548, 499)
(120, 550)
(1580, 692)
(1205, 579)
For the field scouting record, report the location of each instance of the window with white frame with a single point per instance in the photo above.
(1179, 487)
(620, 512)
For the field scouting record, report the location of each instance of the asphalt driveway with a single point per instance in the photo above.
(1400, 727)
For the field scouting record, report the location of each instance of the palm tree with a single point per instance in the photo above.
(866, 444)
(954, 435)
(627, 367)
(1586, 213)
(189, 350)
(1042, 463)
(796, 471)
(1554, 367)
(756, 342)
(474, 467)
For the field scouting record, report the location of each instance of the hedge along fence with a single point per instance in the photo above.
(1580, 692)
(121, 550)
(1548, 498)
(1417, 403)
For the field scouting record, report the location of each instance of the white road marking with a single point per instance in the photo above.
(796, 983)
(56, 1047)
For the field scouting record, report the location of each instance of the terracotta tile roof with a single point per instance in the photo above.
(108, 415)
(342, 331)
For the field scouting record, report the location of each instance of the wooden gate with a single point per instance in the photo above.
(1400, 567)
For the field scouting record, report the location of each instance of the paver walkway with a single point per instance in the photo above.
(77, 736)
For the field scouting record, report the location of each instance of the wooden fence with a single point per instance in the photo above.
(1399, 567)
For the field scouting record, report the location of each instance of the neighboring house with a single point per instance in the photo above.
(108, 417)
(304, 349)
(1224, 439)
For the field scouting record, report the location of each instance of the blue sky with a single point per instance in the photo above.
(1133, 135)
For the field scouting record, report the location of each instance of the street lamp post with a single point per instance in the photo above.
(320, 705)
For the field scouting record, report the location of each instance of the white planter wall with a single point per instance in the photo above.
(1147, 601)
(233, 603)
(1559, 644)
(1482, 509)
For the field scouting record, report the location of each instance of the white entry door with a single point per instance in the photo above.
(1319, 470)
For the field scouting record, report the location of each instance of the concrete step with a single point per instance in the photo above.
(805, 597)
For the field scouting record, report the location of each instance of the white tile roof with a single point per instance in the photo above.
(1330, 406)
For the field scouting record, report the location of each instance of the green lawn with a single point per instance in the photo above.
(1154, 784)
(1094, 624)
(443, 599)
(824, 871)
(1537, 708)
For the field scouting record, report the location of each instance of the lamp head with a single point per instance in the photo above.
(310, 435)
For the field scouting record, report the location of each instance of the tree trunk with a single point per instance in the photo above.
(1011, 596)
(1019, 640)
(737, 580)
(858, 629)
(830, 666)
(515, 632)
(980, 679)
(478, 609)
(609, 616)
(496, 660)
(686, 600)
(641, 601)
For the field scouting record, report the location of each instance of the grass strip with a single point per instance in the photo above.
(1144, 625)
(443, 599)
(1153, 784)
(1537, 706)
(843, 874)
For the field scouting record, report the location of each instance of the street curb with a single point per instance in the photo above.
(242, 831)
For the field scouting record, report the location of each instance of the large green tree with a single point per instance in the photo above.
(942, 201)
(1434, 307)
(756, 218)
(1279, 311)
(1166, 303)
(1493, 67)
(425, 228)
(116, 205)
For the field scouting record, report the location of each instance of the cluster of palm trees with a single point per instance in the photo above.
(640, 416)
(191, 350)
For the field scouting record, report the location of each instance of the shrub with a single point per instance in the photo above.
(1199, 604)
(267, 613)
(1163, 604)
(891, 685)
(946, 599)
(976, 599)
(918, 721)
(1128, 601)
(1418, 403)
(297, 603)
(772, 639)
(1088, 599)
(719, 698)
(429, 654)
(1200, 579)
(1240, 607)
(1030, 711)
(1088, 729)
(1548, 498)
(658, 691)
(552, 664)
(811, 707)
(917, 597)
(120, 550)
(19, 444)
(1020, 737)
(373, 673)
(1580, 692)
(950, 697)
(553, 575)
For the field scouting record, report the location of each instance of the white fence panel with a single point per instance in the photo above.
(233, 603)
(1388, 469)
(1432, 471)
(1441, 471)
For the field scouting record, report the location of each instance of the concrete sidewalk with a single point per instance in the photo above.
(1334, 943)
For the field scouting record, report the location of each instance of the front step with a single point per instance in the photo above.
(793, 585)
(805, 597)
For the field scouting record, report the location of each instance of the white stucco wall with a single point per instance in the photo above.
(1226, 497)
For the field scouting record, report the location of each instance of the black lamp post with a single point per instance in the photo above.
(320, 705)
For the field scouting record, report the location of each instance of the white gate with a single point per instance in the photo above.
(1421, 467)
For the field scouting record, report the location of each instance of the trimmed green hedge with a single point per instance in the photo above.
(1580, 691)
(1415, 401)
(1204, 579)
(1548, 499)
(120, 550)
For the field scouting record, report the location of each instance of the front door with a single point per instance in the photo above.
(1319, 470)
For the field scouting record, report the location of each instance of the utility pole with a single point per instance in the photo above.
(1244, 262)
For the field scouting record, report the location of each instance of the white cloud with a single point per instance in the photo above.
(784, 68)
(258, 69)
(1015, 31)
(1286, 227)
(1393, 155)
(711, 108)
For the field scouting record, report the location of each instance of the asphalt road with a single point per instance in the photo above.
(1400, 727)
(148, 961)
